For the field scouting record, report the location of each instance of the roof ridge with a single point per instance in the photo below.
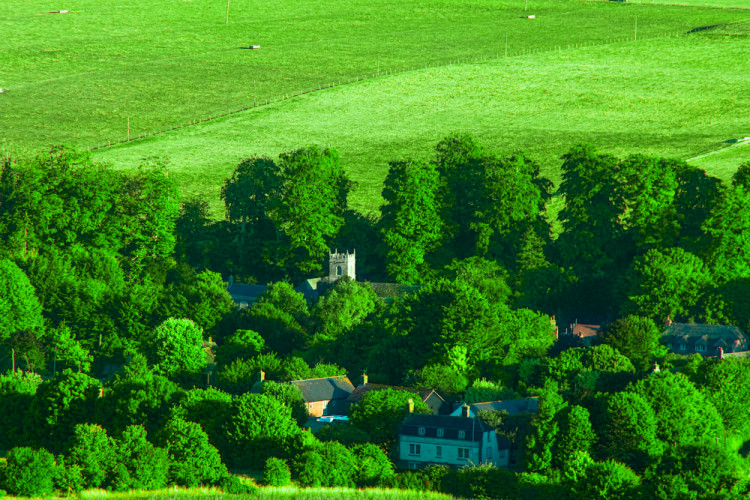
(318, 378)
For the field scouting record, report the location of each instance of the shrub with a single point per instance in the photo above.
(234, 486)
(92, 451)
(373, 466)
(29, 472)
(277, 472)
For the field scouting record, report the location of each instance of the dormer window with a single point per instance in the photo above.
(440, 433)
(682, 347)
(461, 434)
(421, 431)
(700, 348)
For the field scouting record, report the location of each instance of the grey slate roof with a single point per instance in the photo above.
(249, 293)
(512, 406)
(473, 427)
(690, 335)
(324, 389)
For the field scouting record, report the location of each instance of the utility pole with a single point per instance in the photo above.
(227, 11)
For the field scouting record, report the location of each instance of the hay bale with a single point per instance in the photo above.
(530, 17)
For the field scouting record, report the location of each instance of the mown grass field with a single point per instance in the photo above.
(79, 78)
(676, 97)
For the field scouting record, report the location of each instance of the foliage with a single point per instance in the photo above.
(192, 460)
(576, 433)
(29, 472)
(444, 379)
(19, 308)
(380, 412)
(176, 348)
(207, 407)
(607, 479)
(330, 464)
(242, 344)
(276, 472)
(139, 464)
(630, 431)
(92, 451)
(726, 385)
(17, 392)
(635, 337)
(288, 395)
(341, 309)
(201, 298)
(258, 426)
(373, 466)
(545, 428)
(486, 390)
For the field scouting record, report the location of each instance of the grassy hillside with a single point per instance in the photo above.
(670, 96)
(81, 77)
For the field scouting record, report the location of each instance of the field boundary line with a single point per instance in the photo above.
(735, 145)
(385, 73)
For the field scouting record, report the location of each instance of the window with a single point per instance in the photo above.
(700, 348)
(415, 449)
(325, 404)
(461, 434)
(338, 270)
(421, 431)
(463, 453)
(440, 433)
(488, 437)
(489, 453)
(438, 451)
(682, 347)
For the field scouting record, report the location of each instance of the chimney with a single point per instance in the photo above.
(101, 392)
(364, 379)
(656, 367)
(465, 411)
(557, 333)
(721, 353)
(669, 321)
(411, 405)
(262, 375)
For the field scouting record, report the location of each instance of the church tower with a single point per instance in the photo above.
(341, 264)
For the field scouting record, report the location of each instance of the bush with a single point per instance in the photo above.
(29, 472)
(232, 485)
(277, 472)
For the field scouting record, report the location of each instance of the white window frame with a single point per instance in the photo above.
(421, 431)
(463, 453)
(461, 434)
(415, 449)
(440, 433)
(439, 451)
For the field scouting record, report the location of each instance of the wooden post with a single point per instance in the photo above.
(525, 4)
(227, 11)
(128, 128)
(635, 29)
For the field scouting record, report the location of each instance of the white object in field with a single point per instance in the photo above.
(2, 90)
(62, 11)
(530, 17)
(255, 46)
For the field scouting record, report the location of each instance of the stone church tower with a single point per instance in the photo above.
(341, 264)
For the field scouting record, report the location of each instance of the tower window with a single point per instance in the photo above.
(338, 270)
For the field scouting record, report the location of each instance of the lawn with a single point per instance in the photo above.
(675, 96)
(106, 70)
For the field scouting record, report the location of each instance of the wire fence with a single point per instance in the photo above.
(390, 72)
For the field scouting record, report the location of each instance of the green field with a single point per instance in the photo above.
(405, 73)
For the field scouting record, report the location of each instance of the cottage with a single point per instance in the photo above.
(325, 396)
(708, 340)
(454, 441)
(245, 295)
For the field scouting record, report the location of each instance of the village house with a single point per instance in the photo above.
(708, 340)
(512, 407)
(325, 396)
(446, 440)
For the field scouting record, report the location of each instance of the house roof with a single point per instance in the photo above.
(512, 406)
(473, 428)
(728, 337)
(585, 331)
(240, 291)
(324, 389)
(360, 391)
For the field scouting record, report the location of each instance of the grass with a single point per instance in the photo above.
(735, 4)
(267, 493)
(77, 78)
(674, 96)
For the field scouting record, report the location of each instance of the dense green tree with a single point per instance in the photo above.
(138, 464)
(207, 407)
(285, 298)
(242, 344)
(280, 330)
(276, 472)
(442, 378)
(486, 276)
(545, 429)
(629, 433)
(137, 396)
(683, 415)
(201, 297)
(697, 195)
(486, 390)
(258, 427)
(742, 176)
(342, 308)
(380, 412)
(288, 395)
(28, 472)
(68, 351)
(93, 452)
(410, 226)
(726, 385)
(576, 433)
(329, 464)
(19, 308)
(373, 466)
(60, 404)
(636, 337)
(17, 390)
(192, 460)
(728, 233)
(192, 232)
(175, 348)
(609, 479)
(664, 283)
